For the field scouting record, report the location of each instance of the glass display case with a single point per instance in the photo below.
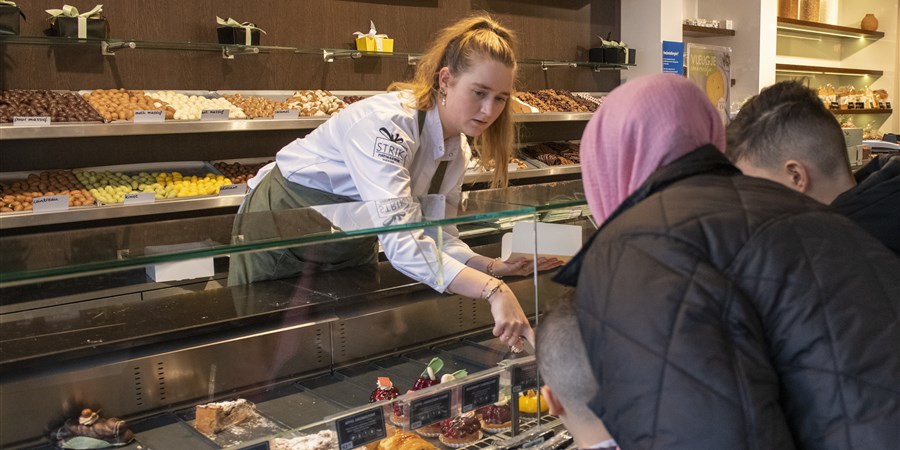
(138, 321)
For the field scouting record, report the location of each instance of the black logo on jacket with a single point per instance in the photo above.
(389, 148)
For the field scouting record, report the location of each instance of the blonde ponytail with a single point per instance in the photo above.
(456, 47)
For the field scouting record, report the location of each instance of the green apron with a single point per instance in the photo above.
(278, 209)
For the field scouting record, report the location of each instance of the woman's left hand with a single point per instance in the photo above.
(522, 266)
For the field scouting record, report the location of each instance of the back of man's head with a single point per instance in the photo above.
(788, 121)
(563, 360)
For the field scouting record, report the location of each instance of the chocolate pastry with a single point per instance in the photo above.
(549, 159)
(89, 428)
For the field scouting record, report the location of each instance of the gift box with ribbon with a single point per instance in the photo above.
(372, 41)
(612, 52)
(239, 33)
(9, 17)
(68, 22)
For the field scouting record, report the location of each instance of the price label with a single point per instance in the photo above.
(287, 113)
(480, 393)
(360, 429)
(260, 446)
(887, 105)
(144, 116)
(214, 114)
(233, 189)
(428, 410)
(860, 105)
(137, 198)
(30, 121)
(513, 166)
(851, 105)
(882, 105)
(835, 105)
(50, 203)
(524, 377)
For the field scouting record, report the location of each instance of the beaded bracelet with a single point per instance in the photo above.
(490, 268)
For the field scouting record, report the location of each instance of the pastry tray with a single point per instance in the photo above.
(186, 168)
(16, 176)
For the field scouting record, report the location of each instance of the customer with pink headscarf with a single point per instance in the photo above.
(721, 311)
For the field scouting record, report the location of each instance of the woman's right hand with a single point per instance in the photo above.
(510, 322)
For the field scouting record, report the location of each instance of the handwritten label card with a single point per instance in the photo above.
(233, 189)
(145, 116)
(287, 113)
(30, 121)
(137, 198)
(50, 203)
(214, 114)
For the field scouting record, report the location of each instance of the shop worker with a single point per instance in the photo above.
(569, 383)
(786, 135)
(409, 142)
(720, 310)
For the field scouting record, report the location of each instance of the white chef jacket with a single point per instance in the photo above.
(369, 152)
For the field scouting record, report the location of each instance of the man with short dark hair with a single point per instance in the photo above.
(786, 135)
(563, 363)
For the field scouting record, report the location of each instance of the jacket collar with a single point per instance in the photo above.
(705, 160)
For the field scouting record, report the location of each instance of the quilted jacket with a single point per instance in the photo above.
(727, 312)
(874, 203)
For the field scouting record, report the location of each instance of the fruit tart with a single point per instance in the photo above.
(428, 378)
(460, 431)
(497, 417)
(528, 403)
(434, 430)
(384, 390)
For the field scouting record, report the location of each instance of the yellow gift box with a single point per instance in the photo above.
(375, 44)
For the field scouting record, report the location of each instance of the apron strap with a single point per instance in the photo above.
(438, 177)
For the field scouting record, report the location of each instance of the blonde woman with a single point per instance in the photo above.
(409, 142)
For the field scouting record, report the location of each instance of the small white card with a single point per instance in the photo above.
(51, 203)
(287, 113)
(149, 116)
(233, 189)
(30, 121)
(137, 198)
(214, 114)
(513, 166)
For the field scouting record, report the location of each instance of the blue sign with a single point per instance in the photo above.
(673, 57)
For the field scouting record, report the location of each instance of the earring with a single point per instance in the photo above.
(443, 97)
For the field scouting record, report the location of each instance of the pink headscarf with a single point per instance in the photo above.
(644, 124)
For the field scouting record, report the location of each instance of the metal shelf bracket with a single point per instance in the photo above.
(547, 64)
(109, 48)
(413, 59)
(229, 52)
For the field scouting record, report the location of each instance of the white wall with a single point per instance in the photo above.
(645, 24)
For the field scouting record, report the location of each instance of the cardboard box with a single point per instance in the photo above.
(180, 270)
(9, 19)
(370, 44)
(68, 27)
(237, 36)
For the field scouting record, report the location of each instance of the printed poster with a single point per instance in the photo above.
(673, 57)
(709, 67)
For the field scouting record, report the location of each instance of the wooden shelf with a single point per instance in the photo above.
(824, 29)
(696, 31)
(839, 112)
(826, 70)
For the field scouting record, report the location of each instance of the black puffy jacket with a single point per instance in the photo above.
(727, 312)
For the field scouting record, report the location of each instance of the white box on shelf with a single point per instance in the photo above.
(553, 241)
(180, 270)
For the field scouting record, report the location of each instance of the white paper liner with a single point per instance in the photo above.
(430, 432)
(398, 420)
(461, 444)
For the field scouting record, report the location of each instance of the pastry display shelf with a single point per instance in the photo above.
(12, 221)
(71, 130)
(839, 112)
(701, 32)
(798, 68)
(824, 29)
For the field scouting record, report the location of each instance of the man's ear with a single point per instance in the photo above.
(556, 407)
(798, 175)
